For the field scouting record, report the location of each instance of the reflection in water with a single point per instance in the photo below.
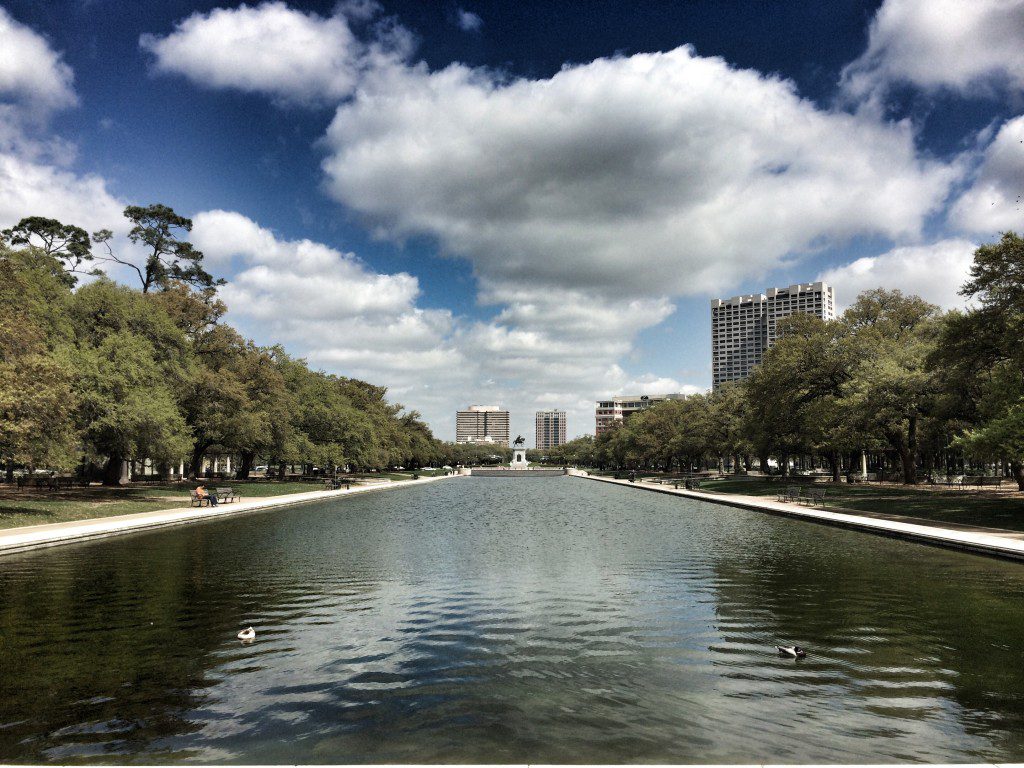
(498, 620)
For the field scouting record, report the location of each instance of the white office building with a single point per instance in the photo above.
(550, 429)
(743, 327)
(484, 424)
(617, 409)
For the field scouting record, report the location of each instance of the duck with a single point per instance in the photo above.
(794, 651)
(247, 635)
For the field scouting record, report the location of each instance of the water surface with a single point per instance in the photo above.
(509, 620)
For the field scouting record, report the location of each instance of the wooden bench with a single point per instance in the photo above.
(196, 500)
(334, 484)
(226, 495)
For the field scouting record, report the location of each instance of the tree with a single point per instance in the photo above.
(36, 374)
(893, 385)
(65, 242)
(132, 363)
(157, 231)
(981, 352)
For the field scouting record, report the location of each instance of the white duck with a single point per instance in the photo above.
(794, 651)
(247, 635)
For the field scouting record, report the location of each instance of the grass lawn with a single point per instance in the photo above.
(37, 507)
(989, 508)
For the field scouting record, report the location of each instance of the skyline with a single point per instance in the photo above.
(477, 204)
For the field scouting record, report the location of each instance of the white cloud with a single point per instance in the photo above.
(932, 44)
(33, 76)
(995, 200)
(542, 350)
(299, 280)
(468, 21)
(34, 177)
(934, 272)
(274, 49)
(30, 188)
(657, 174)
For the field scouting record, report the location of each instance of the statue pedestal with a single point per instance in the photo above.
(519, 459)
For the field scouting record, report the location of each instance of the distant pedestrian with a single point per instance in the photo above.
(202, 493)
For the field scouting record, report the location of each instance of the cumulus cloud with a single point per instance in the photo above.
(994, 202)
(934, 272)
(539, 351)
(33, 77)
(273, 49)
(299, 280)
(34, 177)
(30, 188)
(468, 21)
(657, 174)
(932, 44)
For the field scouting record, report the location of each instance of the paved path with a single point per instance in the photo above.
(988, 541)
(53, 534)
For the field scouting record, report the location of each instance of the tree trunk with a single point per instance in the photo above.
(195, 465)
(784, 464)
(245, 465)
(833, 460)
(282, 470)
(1017, 470)
(116, 471)
(10, 472)
(763, 461)
(736, 464)
(908, 453)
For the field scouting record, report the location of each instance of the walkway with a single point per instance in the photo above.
(987, 541)
(54, 534)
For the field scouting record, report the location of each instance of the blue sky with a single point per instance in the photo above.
(526, 204)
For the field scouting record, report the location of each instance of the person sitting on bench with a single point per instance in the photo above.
(202, 493)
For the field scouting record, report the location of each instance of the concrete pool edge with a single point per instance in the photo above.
(1009, 545)
(27, 538)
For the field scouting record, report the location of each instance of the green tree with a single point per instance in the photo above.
(894, 386)
(131, 361)
(158, 230)
(982, 355)
(67, 243)
(36, 373)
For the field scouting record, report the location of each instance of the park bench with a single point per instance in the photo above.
(196, 500)
(225, 495)
(791, 494)
(813, 497)
(335, 483)
(693, 484)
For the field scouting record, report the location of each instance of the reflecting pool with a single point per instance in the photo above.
(509, 620)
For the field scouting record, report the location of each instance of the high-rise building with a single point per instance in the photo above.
(550, 429)
(486, 424)
(619, 408)
(743, 327)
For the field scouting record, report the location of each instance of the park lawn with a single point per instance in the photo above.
(988, 508)
(38, 507)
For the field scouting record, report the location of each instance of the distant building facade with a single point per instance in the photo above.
(743, 327)
(485, 424)
(615, 410)
(550, 429)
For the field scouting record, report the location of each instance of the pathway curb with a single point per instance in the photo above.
(1008, 546)
(15, 540)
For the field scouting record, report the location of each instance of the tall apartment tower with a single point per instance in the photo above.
(482, 424)
(743, 327)
(621, 407)
(550, 429)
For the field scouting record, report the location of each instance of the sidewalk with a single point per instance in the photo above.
(987, 541)
(54, 534)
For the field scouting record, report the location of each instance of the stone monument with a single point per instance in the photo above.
(519, 454)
